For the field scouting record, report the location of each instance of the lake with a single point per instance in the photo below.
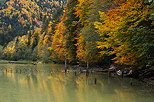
(49, 83)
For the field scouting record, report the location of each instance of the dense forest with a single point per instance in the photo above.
(87, 31)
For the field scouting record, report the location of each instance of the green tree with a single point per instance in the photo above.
(71, 30)
(1, 51)
(63, 41)
(87, 10)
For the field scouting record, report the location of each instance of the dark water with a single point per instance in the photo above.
(47, 83)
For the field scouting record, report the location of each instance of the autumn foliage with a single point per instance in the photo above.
(87, 31)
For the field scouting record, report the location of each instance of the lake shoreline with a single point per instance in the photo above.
(144, 75)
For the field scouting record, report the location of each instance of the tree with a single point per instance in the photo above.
(63, 41)
(1, 51)
(87, 10)
(117, 34)
(71, 30)
(58, 41)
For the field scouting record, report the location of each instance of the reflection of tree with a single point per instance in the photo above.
(65, 87)
(61, 85)
(123, 96)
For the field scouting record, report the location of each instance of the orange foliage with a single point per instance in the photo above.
(59, 41)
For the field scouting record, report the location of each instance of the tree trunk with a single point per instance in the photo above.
(87, 65)
(65, 63)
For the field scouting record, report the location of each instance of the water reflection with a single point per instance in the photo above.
(47, 83)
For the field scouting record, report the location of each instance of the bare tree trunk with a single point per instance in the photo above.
(65, 63)
(87, 65)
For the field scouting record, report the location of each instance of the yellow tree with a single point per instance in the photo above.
(59, 40)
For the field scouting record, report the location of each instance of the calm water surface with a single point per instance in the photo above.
(50, 84)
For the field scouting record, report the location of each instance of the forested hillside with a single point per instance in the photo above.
(20, 23)
(20, 16)
(87, 31)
